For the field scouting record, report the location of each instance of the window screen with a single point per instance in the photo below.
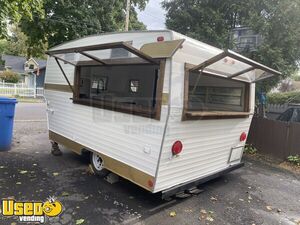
(212, 93)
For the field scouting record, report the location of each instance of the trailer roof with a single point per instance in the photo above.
(144, 48)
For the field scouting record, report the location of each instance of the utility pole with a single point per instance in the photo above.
(127, 15)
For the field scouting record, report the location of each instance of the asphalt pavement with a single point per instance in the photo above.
(255, 194)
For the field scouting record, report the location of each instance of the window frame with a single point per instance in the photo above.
(202, 115)
(153, 113)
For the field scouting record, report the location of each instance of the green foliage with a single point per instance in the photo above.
(284, 97)
(211, 21)
(294, 159)
(251, 150)
(13, 10)
(66, 20)
(9, 76)
(17, 44)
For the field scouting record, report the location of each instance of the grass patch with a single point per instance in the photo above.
(251, 150)
(30, 100)
(294, 159)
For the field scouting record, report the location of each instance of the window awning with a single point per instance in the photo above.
(162, 49)
(103, 54)
(235, 66)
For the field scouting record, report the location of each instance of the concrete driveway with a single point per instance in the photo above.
(255, 194)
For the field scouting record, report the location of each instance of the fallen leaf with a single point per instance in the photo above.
(203, 214)
(90, 170)
(188, 210)
(241, 199)
(34, 164)
(173, 213)
(23, 171)
(249, 197)
(213, 199)
(210, 219)
(13, 223)
(269, 208)
(65, 194)
(203, 211)
(80, 221)
(55, 174)
(18, 183)
(2, 167)
(279, 210)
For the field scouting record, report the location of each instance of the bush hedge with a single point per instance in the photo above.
(9, 76)
(284, 97)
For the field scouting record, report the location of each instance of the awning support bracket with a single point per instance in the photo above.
(228, 53)
(124, 45)
(63, 72)
(93, 58)
(65, 61)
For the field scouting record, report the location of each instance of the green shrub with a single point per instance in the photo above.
(9, 76)
(249, 149)
(294, 159)
(297, 78)
(284, 97)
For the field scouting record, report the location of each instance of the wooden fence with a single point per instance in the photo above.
(275, 138)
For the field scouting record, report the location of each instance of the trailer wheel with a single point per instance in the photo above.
(98, 165)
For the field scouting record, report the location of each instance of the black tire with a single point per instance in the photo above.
(98, 170)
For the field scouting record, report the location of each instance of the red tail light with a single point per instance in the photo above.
(243, 136)
(177, 147)
(160, 38)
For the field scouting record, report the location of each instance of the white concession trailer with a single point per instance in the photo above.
(158, 108)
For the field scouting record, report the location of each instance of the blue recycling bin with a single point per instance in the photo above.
(7, 113)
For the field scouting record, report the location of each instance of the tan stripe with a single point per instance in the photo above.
(165, 99)
(58, 87)
(128, 172)
(163, 49)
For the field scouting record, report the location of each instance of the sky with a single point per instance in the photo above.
(153, 16)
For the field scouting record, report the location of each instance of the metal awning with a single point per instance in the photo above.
(235, 66)
(116, 53)
(102, 54)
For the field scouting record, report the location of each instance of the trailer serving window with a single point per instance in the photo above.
(129, 89)
(211, 93)
(117, 76)
(219, 87)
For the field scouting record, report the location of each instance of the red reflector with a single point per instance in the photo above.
(177, 147)
(160, 38)
(243, 136)
(150, 183)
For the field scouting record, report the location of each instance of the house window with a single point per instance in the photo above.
(119, 88)
(134, 86)
(31, 66)
(210, 95)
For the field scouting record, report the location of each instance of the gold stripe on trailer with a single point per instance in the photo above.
(58, 87)
(130, 173)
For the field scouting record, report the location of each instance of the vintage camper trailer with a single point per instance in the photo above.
(158, 108)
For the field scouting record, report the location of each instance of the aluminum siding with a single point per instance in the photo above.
(207, 143)
(124, 137)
